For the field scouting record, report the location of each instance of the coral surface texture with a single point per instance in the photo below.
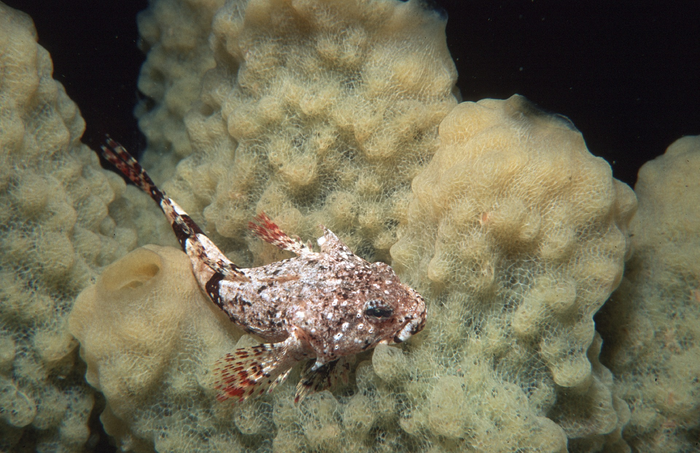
(56, 233)
(652, 322)
(316, 112)
(518, 235)
(342, 113)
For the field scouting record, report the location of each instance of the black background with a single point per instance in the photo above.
(626, 73)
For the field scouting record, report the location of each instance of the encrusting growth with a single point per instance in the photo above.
(323, 306)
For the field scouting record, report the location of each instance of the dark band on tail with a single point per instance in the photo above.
(183, 226)
(192, 239)
(212, 288)
(118, 156)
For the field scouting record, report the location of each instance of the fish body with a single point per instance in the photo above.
(324, 305)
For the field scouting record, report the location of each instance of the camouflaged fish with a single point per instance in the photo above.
(325, 305)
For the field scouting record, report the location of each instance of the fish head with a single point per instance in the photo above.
(363, 304)
(395, 310)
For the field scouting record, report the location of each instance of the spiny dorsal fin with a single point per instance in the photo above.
(268, 231)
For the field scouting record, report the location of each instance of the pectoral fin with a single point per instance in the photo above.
(317, 377)
(253, 370)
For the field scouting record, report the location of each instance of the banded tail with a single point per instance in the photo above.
(118, 156)
(247, 371)
(190, 236)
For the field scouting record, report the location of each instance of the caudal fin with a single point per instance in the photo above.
(118, 156)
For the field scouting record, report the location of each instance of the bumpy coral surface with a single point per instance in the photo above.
(150, 338)
(174, 33)
(315, 112)
(652, 323)
(509, 360)
(55, 234)
(519, 235)
(325, 112)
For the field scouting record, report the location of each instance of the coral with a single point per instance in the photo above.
(315, 112)
(56, 234)
(482, 376)
(326, 111)
(651, 325)
(150, 338)
(519, 236)
(174, 33)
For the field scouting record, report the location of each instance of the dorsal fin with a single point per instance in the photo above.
(268, 231)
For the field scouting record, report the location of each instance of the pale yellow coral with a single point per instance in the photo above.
(514, 230)
(149, 335)
(652, 323)
(326, 111)
(56, 235)
(521, 235)
(174, 35)
(318, 111)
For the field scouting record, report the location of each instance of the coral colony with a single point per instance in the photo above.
(340, 113)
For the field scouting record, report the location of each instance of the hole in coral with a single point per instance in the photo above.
(141, 275)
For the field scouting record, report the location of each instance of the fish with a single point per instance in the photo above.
(319, 308)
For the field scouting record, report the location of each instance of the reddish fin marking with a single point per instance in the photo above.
(268, 231)
(251, 371)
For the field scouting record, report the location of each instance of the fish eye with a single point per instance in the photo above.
(376, 309)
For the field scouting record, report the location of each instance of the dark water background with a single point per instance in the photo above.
(626, 73)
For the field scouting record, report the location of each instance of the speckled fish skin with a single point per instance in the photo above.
(323, 305)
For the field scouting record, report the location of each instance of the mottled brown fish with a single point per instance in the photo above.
(323, 305)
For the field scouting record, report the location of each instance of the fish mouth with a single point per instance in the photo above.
(410, 329)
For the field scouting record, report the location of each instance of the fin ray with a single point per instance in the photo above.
(268, 231)
(252, 371)
(319, 378)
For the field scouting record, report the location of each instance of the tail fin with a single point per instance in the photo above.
(191, 238)
(118, 156)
